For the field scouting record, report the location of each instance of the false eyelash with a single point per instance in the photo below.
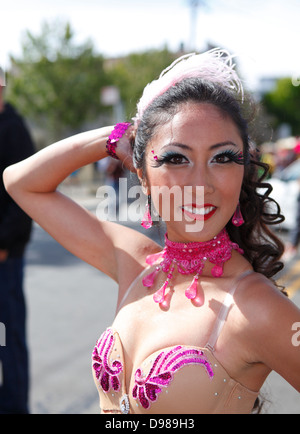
(166, 158)
(236, 157)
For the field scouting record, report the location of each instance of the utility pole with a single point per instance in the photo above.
(194, 4)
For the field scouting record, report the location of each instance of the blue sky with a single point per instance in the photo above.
(264, 33)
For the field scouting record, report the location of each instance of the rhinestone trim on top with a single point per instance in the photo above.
(124, 404)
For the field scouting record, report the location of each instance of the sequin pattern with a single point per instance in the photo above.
(106, 374)
(190, 258)
(147, 388)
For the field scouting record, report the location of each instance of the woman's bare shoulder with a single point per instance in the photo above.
(257, 293)
(266, 311)
(268, 317)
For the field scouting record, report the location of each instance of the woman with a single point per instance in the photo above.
(201, 326)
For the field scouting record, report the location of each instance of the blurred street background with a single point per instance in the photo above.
(69, 66)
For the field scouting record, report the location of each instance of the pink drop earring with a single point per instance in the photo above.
(147, 222)
(237, 219)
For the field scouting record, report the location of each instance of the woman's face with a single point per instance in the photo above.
(200, 147)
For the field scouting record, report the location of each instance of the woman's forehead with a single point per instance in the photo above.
(197, 124)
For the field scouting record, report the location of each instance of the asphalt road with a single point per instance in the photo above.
(69, 305)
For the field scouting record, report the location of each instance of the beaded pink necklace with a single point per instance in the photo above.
(190, 258)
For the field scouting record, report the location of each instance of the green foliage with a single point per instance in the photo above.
(132, 73)
(284, 104)
(57, 82)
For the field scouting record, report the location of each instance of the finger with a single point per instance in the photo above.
(128, 163)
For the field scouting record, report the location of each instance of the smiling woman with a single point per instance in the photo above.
(213, 115)
(218, 167)
(199, 323)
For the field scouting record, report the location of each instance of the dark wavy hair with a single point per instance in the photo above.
(261, 246)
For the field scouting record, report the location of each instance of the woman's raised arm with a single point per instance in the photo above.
(33, 185)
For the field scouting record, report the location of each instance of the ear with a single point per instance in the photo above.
(143, 182)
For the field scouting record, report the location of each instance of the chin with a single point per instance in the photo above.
(190, 232)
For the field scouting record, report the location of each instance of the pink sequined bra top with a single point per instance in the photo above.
(180, 379)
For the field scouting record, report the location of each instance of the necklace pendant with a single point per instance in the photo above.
(148, 281)
(190, 259)
(191, 291)
(151, 259)
(159, 296)
(217, 271)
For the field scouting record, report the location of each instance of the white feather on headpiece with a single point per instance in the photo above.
(215, 66)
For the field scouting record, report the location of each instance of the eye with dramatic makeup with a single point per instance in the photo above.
(176, 159)
(229, 156)
(170, 158)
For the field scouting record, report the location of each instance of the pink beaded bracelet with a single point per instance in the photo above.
(115, 136)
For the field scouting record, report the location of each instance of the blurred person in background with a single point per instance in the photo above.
(15, 228)
(291, 249)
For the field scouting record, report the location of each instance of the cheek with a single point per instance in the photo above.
(167, 200)
(161, 176)
(166, 193)
(230, 184)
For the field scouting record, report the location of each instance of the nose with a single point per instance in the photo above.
(202, 178)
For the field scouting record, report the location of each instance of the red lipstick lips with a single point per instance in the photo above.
(196, 212)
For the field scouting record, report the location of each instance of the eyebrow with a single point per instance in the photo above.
(220, 145)
(188, 148)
